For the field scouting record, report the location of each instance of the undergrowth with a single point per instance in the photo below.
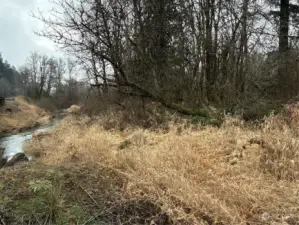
(238, 173)
(38, 199)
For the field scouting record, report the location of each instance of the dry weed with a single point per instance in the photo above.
(74, 109)
(209, 175)
(23, 115)
(280, 155)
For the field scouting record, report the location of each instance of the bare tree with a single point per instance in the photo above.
(38, 74)
(60, 71)
(182, 54)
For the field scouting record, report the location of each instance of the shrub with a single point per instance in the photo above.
(46, 103)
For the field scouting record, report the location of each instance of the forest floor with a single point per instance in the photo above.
(85, 172)
(19, 115)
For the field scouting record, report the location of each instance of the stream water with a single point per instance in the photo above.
(13, 144)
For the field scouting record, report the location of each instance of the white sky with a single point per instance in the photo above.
(17, 38)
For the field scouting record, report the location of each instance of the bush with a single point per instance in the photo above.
(46, 103)
(256, 110)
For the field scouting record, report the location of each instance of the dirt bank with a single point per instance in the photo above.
(19, 115)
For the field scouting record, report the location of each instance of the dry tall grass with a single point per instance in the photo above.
(21, 114)
(231, 175)
(280, 135)
(74, 109)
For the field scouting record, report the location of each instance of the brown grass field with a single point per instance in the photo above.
(236, 174)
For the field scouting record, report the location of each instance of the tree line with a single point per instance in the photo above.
(9, 79)
(183, 54)
(42, 77)
(186, 55)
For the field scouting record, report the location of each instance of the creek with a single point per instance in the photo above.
(14, 144)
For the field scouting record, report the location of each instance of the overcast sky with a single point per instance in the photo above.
(17, 38)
